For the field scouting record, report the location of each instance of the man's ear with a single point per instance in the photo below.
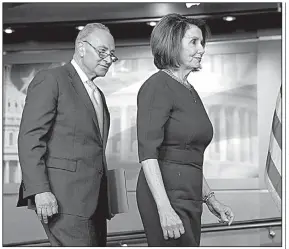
(81, 49)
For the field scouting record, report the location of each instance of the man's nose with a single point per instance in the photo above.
(108, 59)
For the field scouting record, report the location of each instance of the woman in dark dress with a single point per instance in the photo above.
(173, 132)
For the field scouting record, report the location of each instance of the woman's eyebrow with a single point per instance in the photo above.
(194, 37)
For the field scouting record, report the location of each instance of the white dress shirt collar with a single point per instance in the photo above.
(81, 74)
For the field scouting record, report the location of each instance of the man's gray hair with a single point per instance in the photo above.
(88, 29)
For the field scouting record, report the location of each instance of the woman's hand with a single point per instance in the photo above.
(222, 212)
(171, 223)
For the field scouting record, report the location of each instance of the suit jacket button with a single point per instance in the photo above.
(100, 171)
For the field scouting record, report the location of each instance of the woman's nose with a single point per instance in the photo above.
(201, 50)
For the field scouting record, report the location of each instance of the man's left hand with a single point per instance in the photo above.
(222, 212)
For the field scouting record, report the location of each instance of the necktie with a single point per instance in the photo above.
(97, 103)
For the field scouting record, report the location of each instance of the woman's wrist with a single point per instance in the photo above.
(209, 198)
(163, 203)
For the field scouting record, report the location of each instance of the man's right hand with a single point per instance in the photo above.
(46, 205)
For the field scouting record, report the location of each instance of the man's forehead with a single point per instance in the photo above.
(100, 37)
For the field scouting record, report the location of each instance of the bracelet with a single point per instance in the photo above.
(208, 196)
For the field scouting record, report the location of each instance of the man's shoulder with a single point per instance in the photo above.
(59, 70)
(52, 76)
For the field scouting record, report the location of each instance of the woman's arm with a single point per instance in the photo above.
(221, 211)
(171, 224)
(155, 182)
(154, 106)
(207, 190)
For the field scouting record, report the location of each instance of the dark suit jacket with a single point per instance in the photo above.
(59, 143)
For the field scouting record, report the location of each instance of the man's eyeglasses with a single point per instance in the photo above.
(102, 53)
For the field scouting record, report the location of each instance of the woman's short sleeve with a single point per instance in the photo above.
(154, 104)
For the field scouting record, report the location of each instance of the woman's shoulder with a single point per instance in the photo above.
(156, 87)
(155, 81)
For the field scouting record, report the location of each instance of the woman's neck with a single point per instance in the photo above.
(181, 74)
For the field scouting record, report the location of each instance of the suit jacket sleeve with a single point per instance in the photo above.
(154, 104)
(37, 121)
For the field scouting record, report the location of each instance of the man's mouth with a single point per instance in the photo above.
(198, 58)
(104, 67)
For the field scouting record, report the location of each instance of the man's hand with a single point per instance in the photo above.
(46, 205)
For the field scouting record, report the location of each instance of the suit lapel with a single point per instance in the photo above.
(106, 119)
(83, 95)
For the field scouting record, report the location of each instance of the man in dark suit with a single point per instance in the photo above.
(62, 140)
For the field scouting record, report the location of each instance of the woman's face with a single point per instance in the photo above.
(192, 50)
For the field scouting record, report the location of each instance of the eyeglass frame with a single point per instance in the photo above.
(112, 56)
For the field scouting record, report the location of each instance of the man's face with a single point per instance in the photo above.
(97, 52)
